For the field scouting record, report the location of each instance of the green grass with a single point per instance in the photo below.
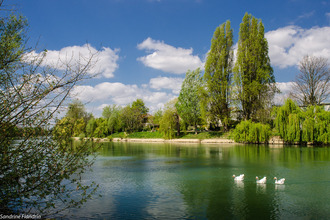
(204, 135)
(118, 135)
(184, 135)
(142, 134)
(146, 134)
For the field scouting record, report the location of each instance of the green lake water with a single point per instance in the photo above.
(190, 181)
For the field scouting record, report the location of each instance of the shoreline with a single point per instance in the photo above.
(160, 140)
(273, 141)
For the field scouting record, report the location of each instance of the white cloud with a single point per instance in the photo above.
(104, 61)
(100, 108)
(173, 84)
(121, 94)
(168, 58)
(288, 45)
(285, 88)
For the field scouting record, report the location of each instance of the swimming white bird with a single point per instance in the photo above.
(263, 180)
(280, 181)
(239, 178)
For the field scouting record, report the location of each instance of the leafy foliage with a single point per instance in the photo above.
(140, 107)
(295, 125)
(218, 70)
(12, 39)
(114, 123)
(133, 116)
(281, 122)
(251, 132)
(170, 121)
(130, 119)
(101, 130)
(76, 110)
(90, 127)
(74, 122)
(188, 105)
(253, 74)
(157, 117)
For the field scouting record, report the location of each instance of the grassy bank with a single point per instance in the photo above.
(184, 135)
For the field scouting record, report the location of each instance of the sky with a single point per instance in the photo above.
(145, 47)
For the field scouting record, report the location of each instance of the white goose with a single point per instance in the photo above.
(239, 178)
(280, 181)
(263, 180)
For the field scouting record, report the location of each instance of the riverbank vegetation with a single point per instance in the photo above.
(290, 122)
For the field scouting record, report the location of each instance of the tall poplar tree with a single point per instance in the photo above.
(253, 74)
(218, 70)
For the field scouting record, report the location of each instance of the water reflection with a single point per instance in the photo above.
(279, 187)
(239, 184)
(144, 181)
(252, 153)
(239, 206)
(261, 188)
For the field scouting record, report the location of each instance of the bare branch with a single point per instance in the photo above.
(311, 86)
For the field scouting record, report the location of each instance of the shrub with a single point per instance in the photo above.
(250, 132)
(82, 136)
(110, 137)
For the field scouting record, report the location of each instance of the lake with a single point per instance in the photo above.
(191, 181)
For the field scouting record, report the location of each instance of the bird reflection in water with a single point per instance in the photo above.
(279, 187)
(261, 188)
(239, 184)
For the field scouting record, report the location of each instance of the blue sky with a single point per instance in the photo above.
(146, 46)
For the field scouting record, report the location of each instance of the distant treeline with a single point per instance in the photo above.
(290, 122)
(15, 131)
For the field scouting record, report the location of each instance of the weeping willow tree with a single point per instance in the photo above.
(170, 122)
(294, 128)
(316, 125)
(251, 132)
(295, 125)
(287, 121)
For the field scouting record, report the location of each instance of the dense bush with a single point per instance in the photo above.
(251, 132)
